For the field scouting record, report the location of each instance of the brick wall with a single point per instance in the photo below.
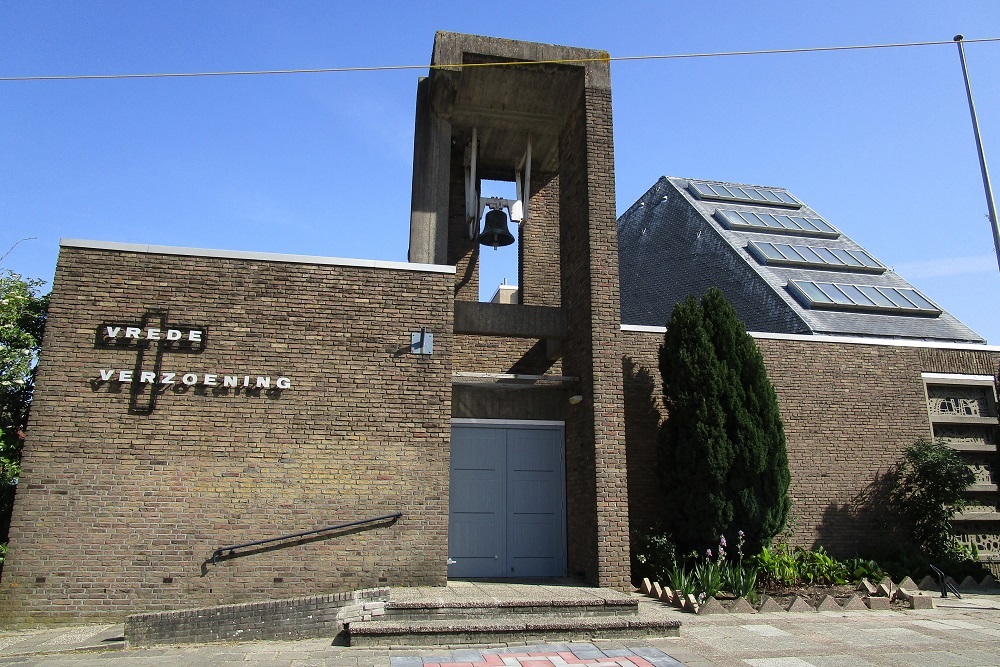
(849, 410)
(296, 618)
(597, 503)
(119, 512)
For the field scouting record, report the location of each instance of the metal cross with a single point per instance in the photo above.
(152, 336)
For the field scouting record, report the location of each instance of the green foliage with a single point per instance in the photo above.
(777, 566)
(22, 319)
(928, 493)
(740, 580)
(653, 554)
(864, 568)
(708, 574)
(3, 554)
(681, 580)
(818, 567)
(722, 460)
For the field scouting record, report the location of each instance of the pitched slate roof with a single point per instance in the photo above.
(684, 236)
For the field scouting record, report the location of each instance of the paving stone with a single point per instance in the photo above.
(854, 603)
(800, 605)
(878, 604)
(828, 603)
(406, 661)
(867, 587)
(968, 585)
(741, 606)
(769, 606)
(712, 606)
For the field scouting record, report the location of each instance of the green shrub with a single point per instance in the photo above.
(3, 554)
(681, 580)
(929, 491)
(777, 566)
(740, 580)
(653, 554)
(723, 461)
(818, 567)
(708, 574)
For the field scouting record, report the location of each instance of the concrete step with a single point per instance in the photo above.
(483, 630)
(444, 610)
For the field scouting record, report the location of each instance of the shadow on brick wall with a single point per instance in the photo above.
(866, 524)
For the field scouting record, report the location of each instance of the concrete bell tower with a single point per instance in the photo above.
(565, 321)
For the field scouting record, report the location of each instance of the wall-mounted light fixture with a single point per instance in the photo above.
(422, 342)
(576, 399)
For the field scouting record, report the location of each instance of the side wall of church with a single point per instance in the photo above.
(119, 511)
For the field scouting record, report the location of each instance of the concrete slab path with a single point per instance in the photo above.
(957, 633)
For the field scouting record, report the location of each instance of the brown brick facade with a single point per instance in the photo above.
(120, 512)
(849, 410)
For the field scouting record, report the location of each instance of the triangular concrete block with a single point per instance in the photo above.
(799, 604)
(929, 583)
(920, 601)
(741, 606)
(867, 588)
(712, 606)
(657, 591)
(888, 586)
(949, 580)
(768, 606)
(908, 584)
(968, 584)
(878, 604)
(646, 586)
(680, 600)
(828, 603)
(854, 603)
(667, 595)
(690, 604)
(988, 582)
(885, 591)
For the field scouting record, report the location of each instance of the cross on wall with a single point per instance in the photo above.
(152, 337)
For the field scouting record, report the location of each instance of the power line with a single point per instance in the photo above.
(567, 61)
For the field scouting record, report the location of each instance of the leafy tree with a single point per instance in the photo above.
(929, 491)
(722, 460)
(22, 319)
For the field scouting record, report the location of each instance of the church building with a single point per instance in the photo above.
(217, 426)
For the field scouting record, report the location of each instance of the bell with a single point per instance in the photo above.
(495, 232)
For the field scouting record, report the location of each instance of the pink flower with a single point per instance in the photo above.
(708, 553)
(722, 541)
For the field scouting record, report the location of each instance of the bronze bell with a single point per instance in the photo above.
(495, 232)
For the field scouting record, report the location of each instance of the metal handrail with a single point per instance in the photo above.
(945, 584)
(230, 550)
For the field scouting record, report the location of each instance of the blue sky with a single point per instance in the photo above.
(879, 142)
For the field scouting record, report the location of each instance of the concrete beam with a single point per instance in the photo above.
(497, 319)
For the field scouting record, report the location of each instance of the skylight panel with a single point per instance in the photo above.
(745, 193)
(841, 296)
(782, 224)
(818, 257)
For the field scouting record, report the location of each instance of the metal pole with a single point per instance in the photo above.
(979, 147)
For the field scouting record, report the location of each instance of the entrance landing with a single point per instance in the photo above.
(486, 612)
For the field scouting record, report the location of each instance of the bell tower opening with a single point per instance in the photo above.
(499, 266)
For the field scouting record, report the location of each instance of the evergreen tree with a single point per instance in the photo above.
(722, 448)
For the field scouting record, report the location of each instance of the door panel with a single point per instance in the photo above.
(476, 520)
(507, 516)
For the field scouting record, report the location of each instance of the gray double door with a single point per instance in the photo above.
(507, 513)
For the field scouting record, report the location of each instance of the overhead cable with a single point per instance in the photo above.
(563, 61)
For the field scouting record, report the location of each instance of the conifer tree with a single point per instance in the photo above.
(723, 461)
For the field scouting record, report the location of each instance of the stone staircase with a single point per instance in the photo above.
(492, 613)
